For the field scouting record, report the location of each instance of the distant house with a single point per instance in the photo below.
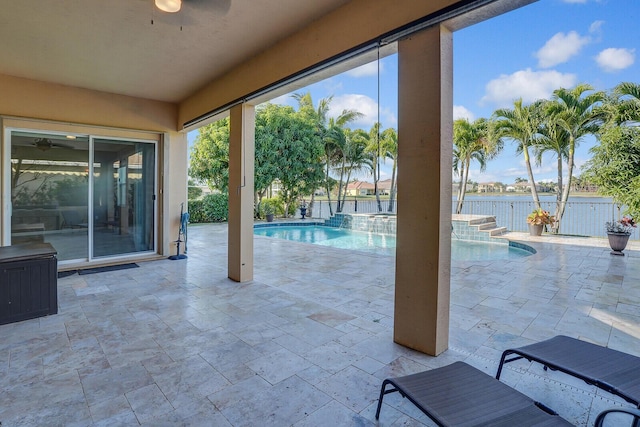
(360, 188)
(384, 187)
(525, 187)
(490, 187)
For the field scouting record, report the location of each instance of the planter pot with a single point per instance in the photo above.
(303, 213)
(618, 241)
(535, 230)
(269, 217)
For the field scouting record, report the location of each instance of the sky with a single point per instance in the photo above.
(525, 53)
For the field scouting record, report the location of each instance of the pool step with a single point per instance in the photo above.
(487, 224)
(498, 231)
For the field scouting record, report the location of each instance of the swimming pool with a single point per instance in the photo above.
(461, 250)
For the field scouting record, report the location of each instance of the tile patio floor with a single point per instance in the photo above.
(307, 343)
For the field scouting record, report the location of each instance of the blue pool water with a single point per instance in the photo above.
(461, 250)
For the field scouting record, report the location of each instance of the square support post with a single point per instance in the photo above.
(423, 255)
(241, 182)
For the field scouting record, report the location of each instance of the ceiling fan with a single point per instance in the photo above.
(45, 144)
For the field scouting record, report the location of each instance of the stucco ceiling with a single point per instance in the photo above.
(128, 47)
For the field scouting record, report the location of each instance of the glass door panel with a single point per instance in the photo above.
(49, 191)
(123, 197)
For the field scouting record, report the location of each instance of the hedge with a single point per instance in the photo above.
(211, 208)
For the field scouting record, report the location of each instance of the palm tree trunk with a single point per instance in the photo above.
(328, 188)
(556, 225)
(463, 186)
(374, 168)
(342, 168)
(567, 187)
(392, 190)
(344, 194)
(534, 190)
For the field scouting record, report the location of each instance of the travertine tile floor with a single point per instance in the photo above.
(307, 343)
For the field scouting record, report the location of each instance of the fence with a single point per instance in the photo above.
(321, 207)
(581, 218)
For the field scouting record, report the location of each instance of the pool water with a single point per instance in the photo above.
(461, 250)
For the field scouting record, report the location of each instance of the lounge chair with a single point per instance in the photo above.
(461, 395)
(608, 369)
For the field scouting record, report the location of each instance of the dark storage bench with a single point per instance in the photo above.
(28, 282)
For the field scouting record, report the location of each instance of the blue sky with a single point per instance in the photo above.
(526, 53)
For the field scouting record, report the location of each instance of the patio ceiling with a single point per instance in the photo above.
(113, 46)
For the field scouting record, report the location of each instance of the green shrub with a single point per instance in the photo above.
(274, 206)
(216, 207)
(212, 208)
(196, 211)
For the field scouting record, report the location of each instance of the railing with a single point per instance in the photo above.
(580, 218)
(321, 207)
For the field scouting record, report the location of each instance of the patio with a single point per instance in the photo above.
(307, 343)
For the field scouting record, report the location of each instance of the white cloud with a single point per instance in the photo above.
(370, 69)
(365, 105)
(560, 48)
(614, 59)
(526, 84)
(596, 27)
(460, 112)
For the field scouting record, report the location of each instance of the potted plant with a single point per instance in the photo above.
(269, 210)
(618, 233)
(537, 220)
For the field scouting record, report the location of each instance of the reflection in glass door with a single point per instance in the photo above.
(49, 191)
(123, 197)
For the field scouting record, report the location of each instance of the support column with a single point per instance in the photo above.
(423, 254)
(241, 175)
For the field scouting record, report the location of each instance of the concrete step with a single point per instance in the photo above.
(498, 231)
(482, 220)
(487, 226)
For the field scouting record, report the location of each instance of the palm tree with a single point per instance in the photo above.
(521, 125)
(319, 117)
(342, 152)
(335, 142)
(356, 157)
(471, 142)
(576, 112)
(374, 149)
(326, 130)
(628, 106)
(555, 140)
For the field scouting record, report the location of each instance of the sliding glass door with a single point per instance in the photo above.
(49, 191)
(123, 197)
(90, 197)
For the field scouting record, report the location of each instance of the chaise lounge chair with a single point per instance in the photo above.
(608, 369)
(462, 396)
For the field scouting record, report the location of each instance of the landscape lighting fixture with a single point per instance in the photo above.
(170, 6)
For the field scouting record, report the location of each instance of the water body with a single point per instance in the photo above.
(461, 250)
